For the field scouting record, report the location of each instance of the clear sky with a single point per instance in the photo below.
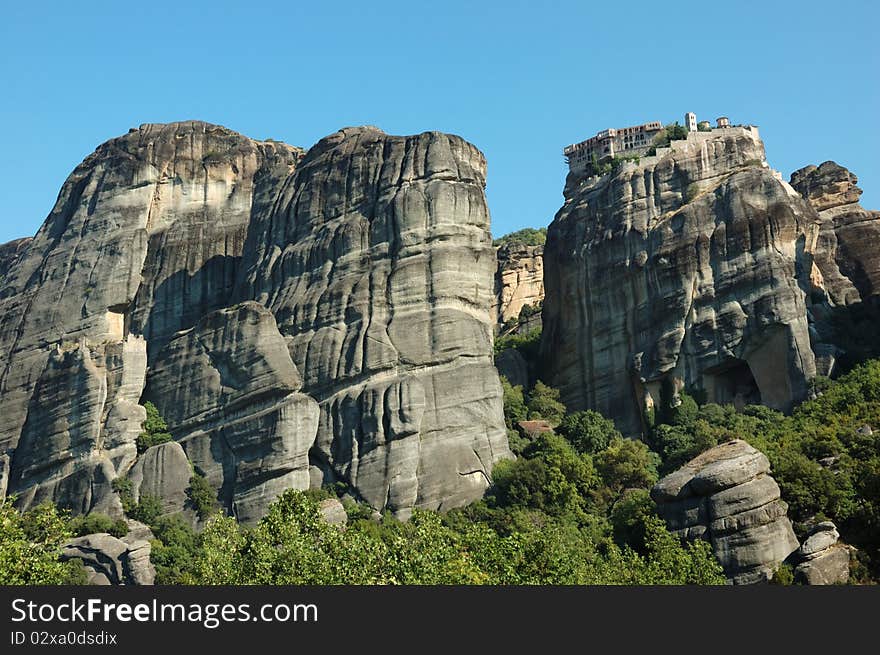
(518, 79)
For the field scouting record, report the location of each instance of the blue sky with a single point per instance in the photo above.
(518, 79)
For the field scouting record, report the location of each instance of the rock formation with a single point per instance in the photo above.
(366, 356)
(9, 253)
(377, 263)
(229, 391)
(847, 240)
(111, 561)
(822, 559)
(143, 239)
(519, 282)
(845, 271)
(727, 497)
(685, 270)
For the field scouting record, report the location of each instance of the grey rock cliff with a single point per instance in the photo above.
(144, 238)
(9, 253)
(519, 281)
(229, 391)
(111, 561)
(371, 364)
(685, 270)
(847, 240)
(727, 497)
(377, 263)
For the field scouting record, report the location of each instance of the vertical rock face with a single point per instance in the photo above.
(228, 389)
(519, 280)
(377, 263)
(684, 270)
(727, 497)
(9, 253)
(847, 239)
(144, 239)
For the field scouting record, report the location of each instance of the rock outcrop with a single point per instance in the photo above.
(519, 282)
(727, 497)
(229, 392)
(9, 254)
(296, 320)
(848, 237)
(822, 559)
(333, 512)
(377, 263)
(111, 561)
(683, 270)
(144, 238)
(845, 273)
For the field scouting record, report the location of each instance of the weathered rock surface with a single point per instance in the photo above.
(333, 512)
(81, 426)
(519, 281)
(845, 271)
(727, 497)
(9, 254)
(378, 265)
(848, 237)
(112, 561)
(164, 472)
(822, 559)
(686, 269)
(233, 281)
(144, 239)
(229, 391)
(512, 365)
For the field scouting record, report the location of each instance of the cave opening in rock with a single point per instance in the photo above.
(732, 383)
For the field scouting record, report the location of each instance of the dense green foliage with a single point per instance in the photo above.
(589, 432)
(544, 404)
(155, 429)
(97, 522)
(202, 496)
(825, 456)
(30, 545)
(292, 545)
(572, 508)
(527, 344)
(148, 509)
(528, 236)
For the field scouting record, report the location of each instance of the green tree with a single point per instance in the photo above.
(96, 523)
(30, 546)
(528, 236)
(627, 464)
(155, 429)
(588, 431)
(515, 409)
(202, 496)
(544, 404)
(148, 509)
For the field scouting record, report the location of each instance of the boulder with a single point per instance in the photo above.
(727, 497)
(333, 512)
(112, 561)
(822, 559)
